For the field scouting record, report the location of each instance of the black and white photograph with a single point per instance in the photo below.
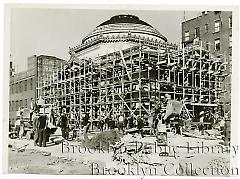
(120, 91)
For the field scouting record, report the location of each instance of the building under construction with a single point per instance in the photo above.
(127, 67)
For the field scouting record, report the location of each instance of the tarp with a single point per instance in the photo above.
(173, 108)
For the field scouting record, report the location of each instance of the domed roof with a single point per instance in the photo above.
(120, 26)
(124, 19)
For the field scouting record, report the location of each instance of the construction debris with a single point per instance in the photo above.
(22, 148)
(46, 153)
(133, 149)
(57, 139)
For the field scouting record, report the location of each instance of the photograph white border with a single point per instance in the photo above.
(129, 5)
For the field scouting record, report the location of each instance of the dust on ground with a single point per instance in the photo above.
(51, 159)
(34, 162)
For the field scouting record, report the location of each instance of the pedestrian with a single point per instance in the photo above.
(86, 125)
(111, 124)
(130, 123)
(156, 119)
(52, 117)
(22, 127)
(17, 126)
(36, 126)
(101, 124)
(42, 133)
(107, 123)
(140, 125)
(120, 123)
(201, 128)
(64, 124)
(32, 108)
(222, 126)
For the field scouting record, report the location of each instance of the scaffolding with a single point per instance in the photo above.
(133, 81)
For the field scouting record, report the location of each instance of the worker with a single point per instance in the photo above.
(156, 118)
(86, 124)
(146, 121)
(42, 126)
(36, 126)
(140, 125)
(32, 108)
(17, 126)
(222, 126)
(120, 123)
(180, 125)
(64, 124)
(130, 122)
(101, 124)
(52, 117)
(112, 122)
(22, 127)
(161, 133)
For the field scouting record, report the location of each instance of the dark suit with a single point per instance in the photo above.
(64, 126)
(42, 130)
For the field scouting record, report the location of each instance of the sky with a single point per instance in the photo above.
(52, 31)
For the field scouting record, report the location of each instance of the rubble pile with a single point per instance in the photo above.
(102, 140)
(133, 149)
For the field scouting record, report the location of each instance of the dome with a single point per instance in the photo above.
(122, 26)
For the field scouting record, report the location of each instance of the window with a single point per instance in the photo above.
(20, 87)
(12, 89)
(16, 88)
(31, 84)
(21, 103)
(26, 103)
(13, 105)
(17, 106)
(217, 44)
(207, 46)
(25, 85)
(230, 40)
(206, 28)
(230, 51)
(230, 22)
(197, 32)
(187, 38)
(217, 26)
(217, 12)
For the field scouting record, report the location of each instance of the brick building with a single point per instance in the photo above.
(214, 30)
(24, 86)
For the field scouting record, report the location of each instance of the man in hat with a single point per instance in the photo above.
(120, 122)
(32, 109)
(36, 126)
(17, 126)
(42, 133)
(86, 124)
(22, 126)
(64, 124)
(140, 125)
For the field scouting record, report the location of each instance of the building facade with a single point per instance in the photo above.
(24, 86)
(214, 30)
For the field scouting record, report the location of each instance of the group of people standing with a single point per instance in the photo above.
(122, 123)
